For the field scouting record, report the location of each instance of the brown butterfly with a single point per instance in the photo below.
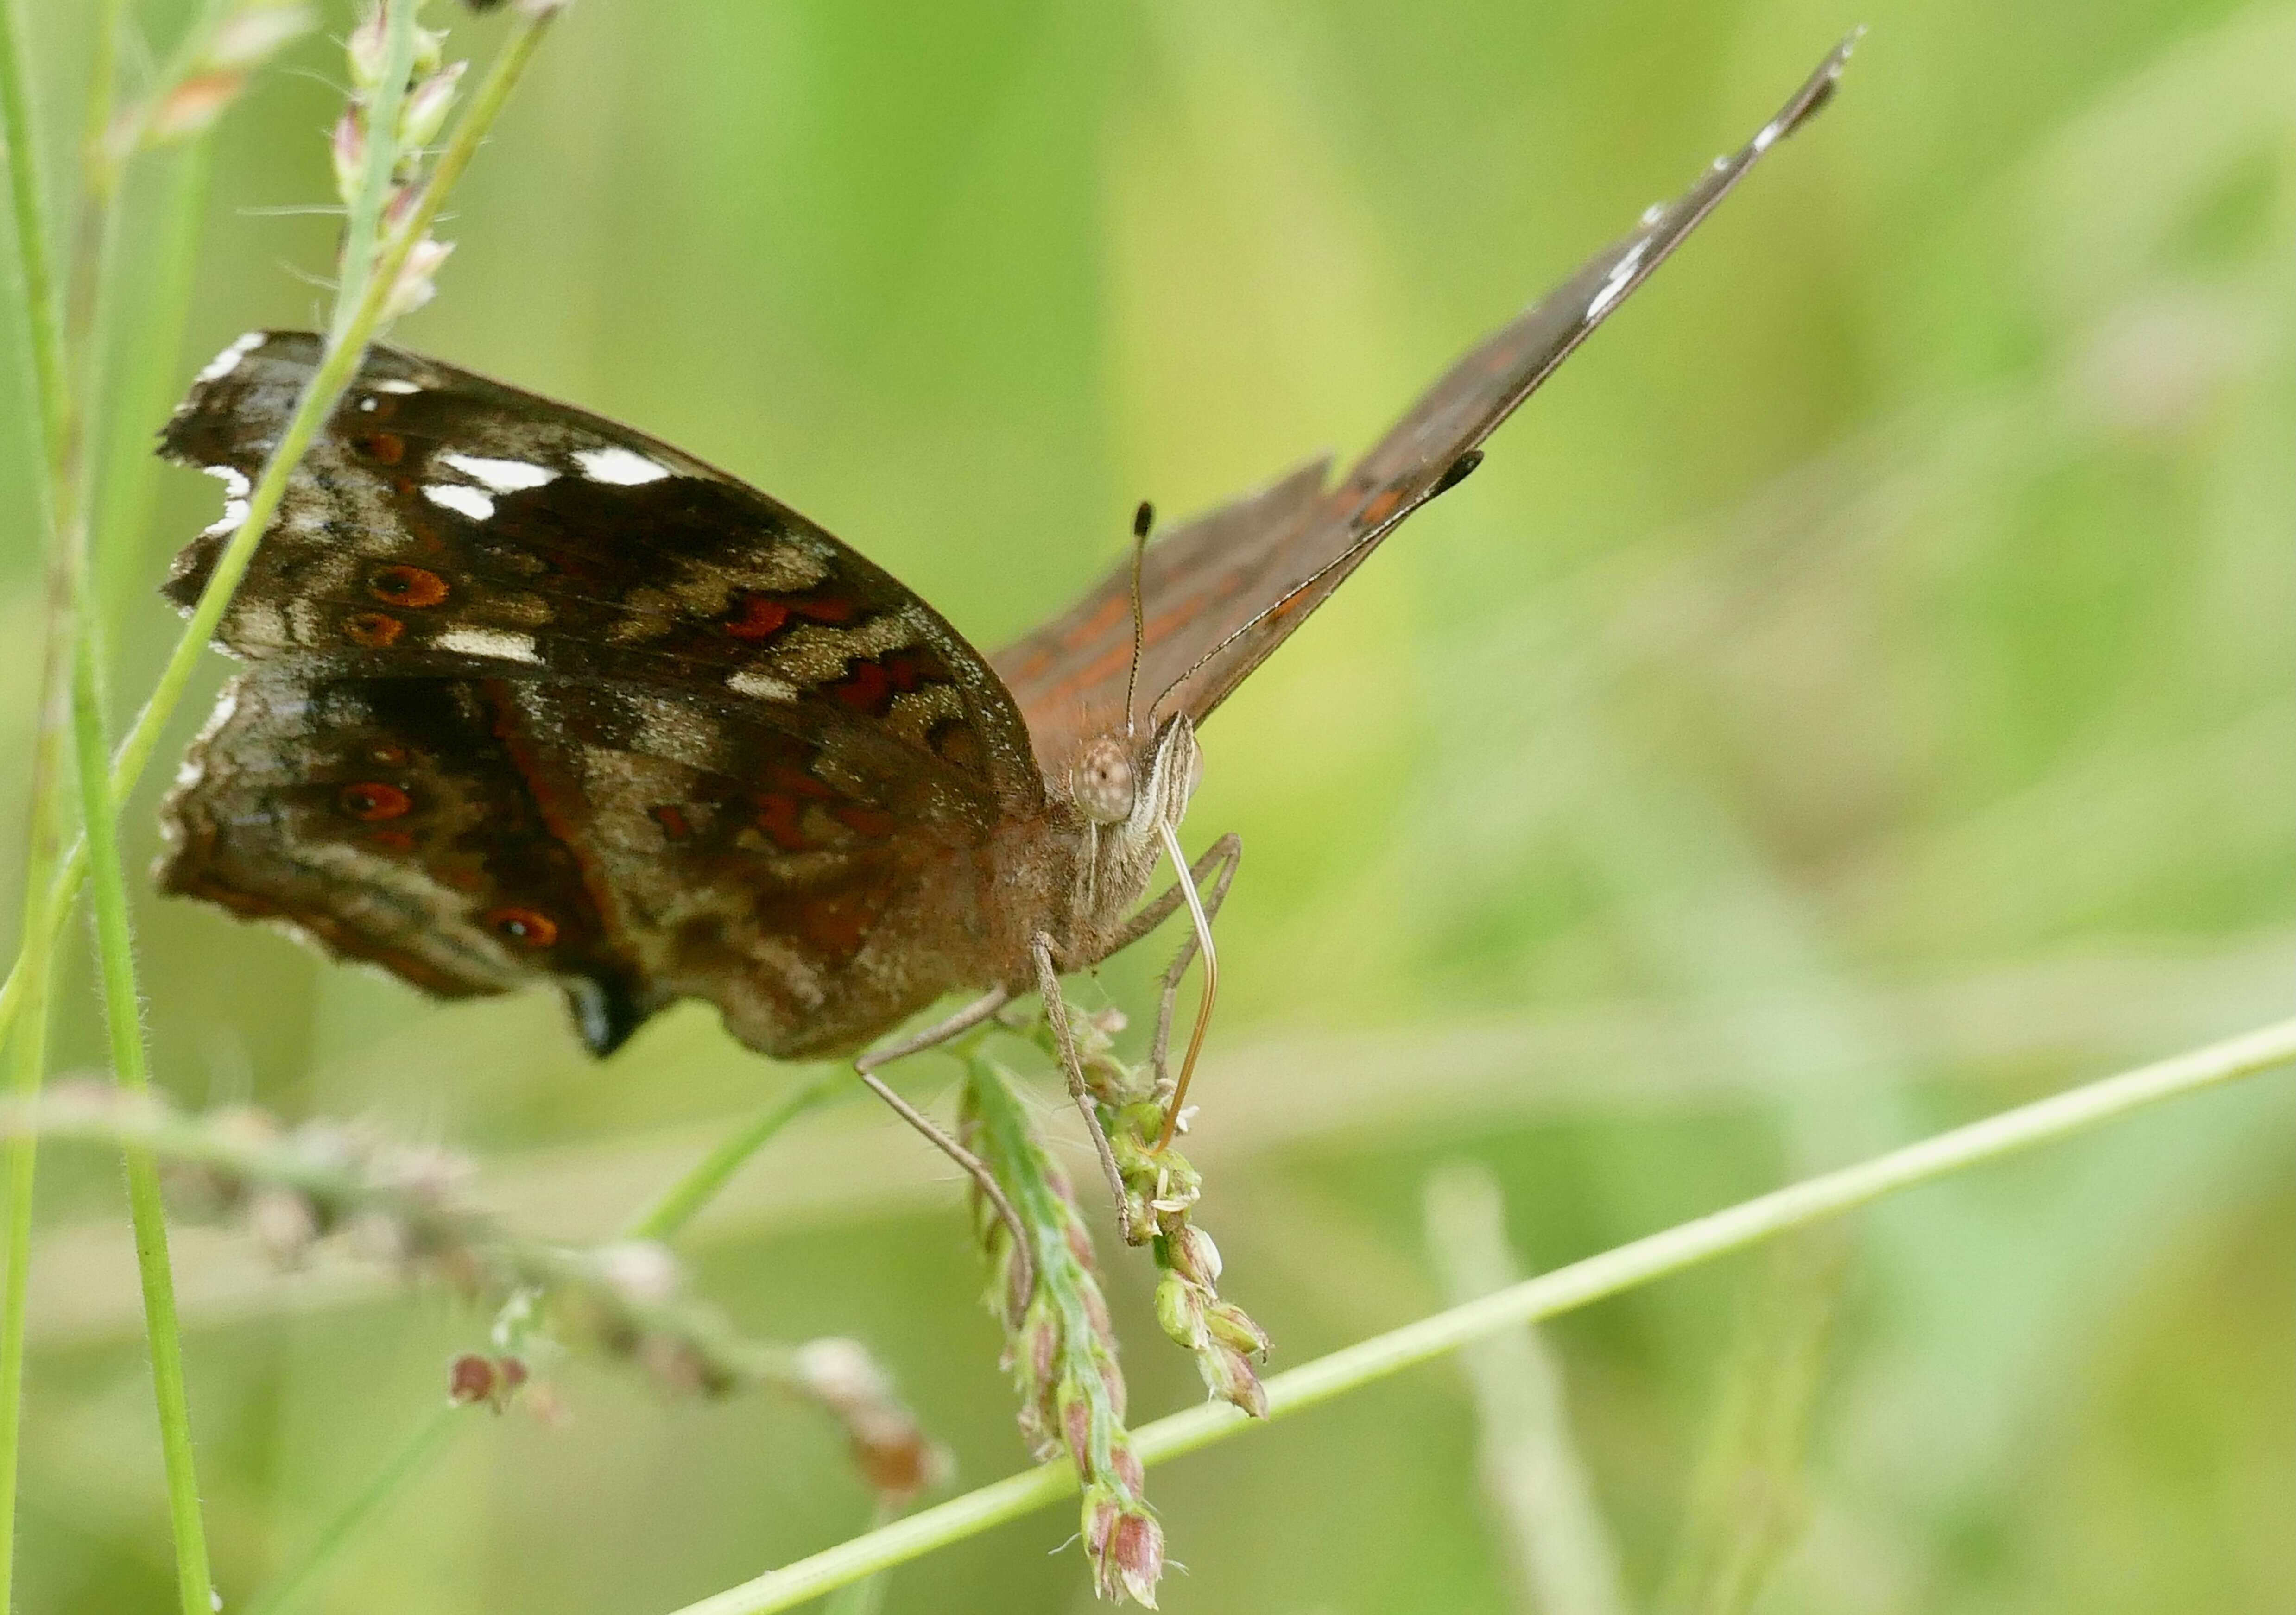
(532, 697)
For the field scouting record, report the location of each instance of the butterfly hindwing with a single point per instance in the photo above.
(475, 836)
(387, 820)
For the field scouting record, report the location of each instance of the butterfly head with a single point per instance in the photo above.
(1127, 791)
(1115, 781)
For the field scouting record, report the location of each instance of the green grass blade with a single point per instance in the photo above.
(123, 1005)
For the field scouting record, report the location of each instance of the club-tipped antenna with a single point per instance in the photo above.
(1143, 520)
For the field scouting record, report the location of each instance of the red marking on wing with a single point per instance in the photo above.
(778, 817)
(382, 447)
(530, 927)
(559, 802)
(790, 778)
(826, 608)
(372, 800)
(673, 821)
(865, 820)
(373, 629)
(757, 617)
(407, 586)
(871, 686)
(1118, 658)
(836, 922)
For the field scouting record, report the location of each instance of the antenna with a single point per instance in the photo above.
(1143, 519)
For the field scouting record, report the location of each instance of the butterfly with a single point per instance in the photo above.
(532, 697)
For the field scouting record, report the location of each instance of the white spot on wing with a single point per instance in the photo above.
(234, 505)
(763, 686)
(393, 384)
(228, 361)
(469, 501)
(490, 643)
(619, 466)
(1623, 273)
(1762, 139)
(235, 512)
(502, 476)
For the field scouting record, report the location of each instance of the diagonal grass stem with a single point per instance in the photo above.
(1749, 1222)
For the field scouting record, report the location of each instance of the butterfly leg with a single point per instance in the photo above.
(972, 1015)
(1056, 1012)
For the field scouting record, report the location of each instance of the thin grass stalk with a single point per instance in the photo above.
(123, 1005)
(50, 329)
(865, 1597)
(685, 1199)
(430, 1438)
(663, 1220)
(1624, 1267)
(319, 398)
(94, 241)
(44, 347)
(34, 259)
(147, 377)
(27, 1066)
(1536, 1485)
(383, 155)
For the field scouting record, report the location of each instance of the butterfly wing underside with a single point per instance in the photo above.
(533, 697)
(1221, 591)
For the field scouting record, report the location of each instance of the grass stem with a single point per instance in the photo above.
(684, 1199)
(123, 1005)
(664, 1219)
(421, 1450)
(311, 410)
(1687, 1244)
(28, 1048)
(363, 223)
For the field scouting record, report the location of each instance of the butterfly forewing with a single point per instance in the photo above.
(538, 697)
(445, 524)
(1070, 675)
(1229, 587)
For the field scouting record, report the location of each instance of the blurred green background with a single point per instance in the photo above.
(1854, 697)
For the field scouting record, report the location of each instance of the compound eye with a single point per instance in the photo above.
(1101, 782)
